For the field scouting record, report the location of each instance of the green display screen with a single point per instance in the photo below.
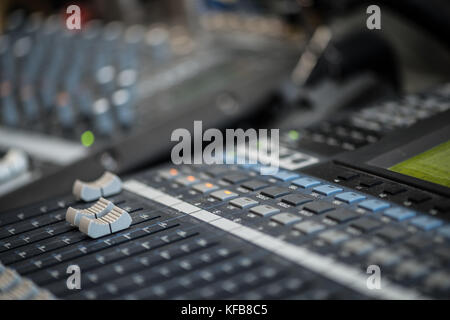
(432, 165)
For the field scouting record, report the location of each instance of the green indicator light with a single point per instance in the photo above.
(87, 138)
(294, 135)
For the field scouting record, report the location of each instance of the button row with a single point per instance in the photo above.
(295, 199)
(299, 255)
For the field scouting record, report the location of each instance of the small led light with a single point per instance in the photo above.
(87, 138)
(294, 135)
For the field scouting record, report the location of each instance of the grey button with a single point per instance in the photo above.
(187, 181)
(264, 210)
(391, 233)
(224, 195)
(411, 269)
(384, 258)
(333, 236)
(358, 246)
(309, 227)
(286, 218)
(205, 187)
(439, 281)
(244, 203)
(169, 174)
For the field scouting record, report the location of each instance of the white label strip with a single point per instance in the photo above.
(51, 149)
(287, 163)
(344, 274)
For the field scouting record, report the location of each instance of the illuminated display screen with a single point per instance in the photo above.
(432, 165)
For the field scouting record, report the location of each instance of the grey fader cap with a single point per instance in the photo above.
(94, 228)
(115, 220)
(107, 185)
(97, 210)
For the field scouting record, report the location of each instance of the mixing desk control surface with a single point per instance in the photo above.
(202, 232)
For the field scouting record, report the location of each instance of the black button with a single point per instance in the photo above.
(342, 215)
(393, 189)
(254, 185)
(418, 197)
(443, 253)
(275, 192)
(296, 199)
(391, 234)
(318, 207)
(370, 182)
(366, 224)
(235, 178)
(347, 175)
(442, 206)
(217, 171)
(418, 242)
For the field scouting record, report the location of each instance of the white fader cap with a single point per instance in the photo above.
(115, 220)
(107, 185)
(98, 210)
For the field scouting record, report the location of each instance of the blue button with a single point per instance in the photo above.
(445, 231)
(399, 214)
(285, 175)
(248, 165)
(426, 223)
(374, 205)
(327, 189)
(306, 182)
(261, 168)
(349, 197)
(255, 167)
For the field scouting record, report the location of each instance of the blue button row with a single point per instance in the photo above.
(399, 214)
